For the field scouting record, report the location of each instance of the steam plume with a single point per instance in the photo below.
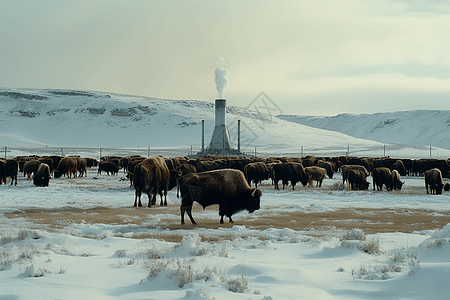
(221, 76)
(221, 81)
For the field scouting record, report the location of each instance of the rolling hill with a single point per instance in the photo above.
(73, 118)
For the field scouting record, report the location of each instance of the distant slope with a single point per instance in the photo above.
(420, 127)
(69, 118)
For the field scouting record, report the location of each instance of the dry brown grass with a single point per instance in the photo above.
(370, 220)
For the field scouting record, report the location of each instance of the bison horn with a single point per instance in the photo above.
(254, 192)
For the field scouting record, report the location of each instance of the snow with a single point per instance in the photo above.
(91, 259)
(419, 127)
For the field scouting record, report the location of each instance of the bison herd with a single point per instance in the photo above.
(227, 181)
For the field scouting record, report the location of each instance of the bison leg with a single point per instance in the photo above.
(151, 199)
(229, 217)
(165, 198)
(183, 210)
(188, 210)
(137, 198)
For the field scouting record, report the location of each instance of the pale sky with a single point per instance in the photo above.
(311, 57)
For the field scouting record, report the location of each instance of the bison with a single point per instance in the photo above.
(394, 182)
(81, 166)
(433, 178)
(150, 176)
(315, 174)
(108, 167)
(346, 168)
(227, 188)
(170, 172)
(145, 180)
(293, 172)
(67, 166)
(381, 176)
(30, 167)
(187, 168)
(42, 176)
(256, 172)
(10, 169)
(357, 180)
(400, 167)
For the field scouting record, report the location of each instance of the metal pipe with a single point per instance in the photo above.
(239, 136)
(203, 136)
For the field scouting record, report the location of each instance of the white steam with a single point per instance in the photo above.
(221, 76)
(221, 81)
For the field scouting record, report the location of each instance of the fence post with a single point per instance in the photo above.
(100, 158)
(430, 151)
(384, 150)
(255, 152)
(301, 156)
(148, 151)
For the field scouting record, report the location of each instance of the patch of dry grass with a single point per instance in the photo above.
(370, 220)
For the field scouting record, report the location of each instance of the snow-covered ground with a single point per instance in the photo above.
(94, 260)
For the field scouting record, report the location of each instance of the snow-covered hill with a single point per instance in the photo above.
(419, 127)
(69, 118)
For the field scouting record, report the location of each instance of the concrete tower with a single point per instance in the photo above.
(220, 140)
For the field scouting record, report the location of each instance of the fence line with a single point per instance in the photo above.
(420, 151)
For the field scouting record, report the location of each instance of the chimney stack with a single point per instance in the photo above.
(220, 140)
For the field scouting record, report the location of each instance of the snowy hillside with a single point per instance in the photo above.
(68, 118)
(420, 127)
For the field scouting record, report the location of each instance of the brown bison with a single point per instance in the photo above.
(227, 188)
(346, 168)
(329, 166)
(81, 166)
(394, 182)
(433, 178)
(380, 176)
(315, 174)
(357, 180)
(10, 169)
(149, 176)
(293, 172)
(169, 177)
(400, 167)
(256, 172)
(187, 168)
(42, 176)
(67, 167)
(108, 167)
(30, 167)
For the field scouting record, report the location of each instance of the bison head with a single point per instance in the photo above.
(439, 187)
(253, 203)
(57, 173)
(447, 187)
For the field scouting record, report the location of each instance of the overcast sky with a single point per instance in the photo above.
(310, 57)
